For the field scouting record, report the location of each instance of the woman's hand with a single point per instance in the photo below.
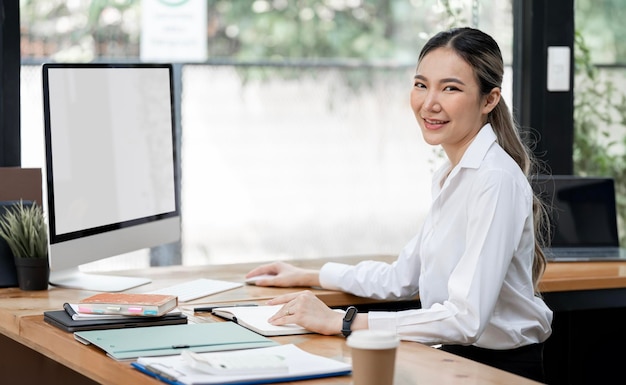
(305, 309)
(284, 275)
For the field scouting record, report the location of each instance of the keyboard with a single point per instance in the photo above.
(198, 288)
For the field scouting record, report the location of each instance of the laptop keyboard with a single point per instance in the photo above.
(198, 288)
(585, 251)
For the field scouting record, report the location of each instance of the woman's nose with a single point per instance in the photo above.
(431, 102)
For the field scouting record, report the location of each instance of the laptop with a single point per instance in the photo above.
(583, 218)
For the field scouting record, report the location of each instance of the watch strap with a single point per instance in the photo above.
(346, 327)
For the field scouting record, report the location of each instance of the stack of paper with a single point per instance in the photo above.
(76, 316)
(302, 366)
(150, 305)
(81, 322)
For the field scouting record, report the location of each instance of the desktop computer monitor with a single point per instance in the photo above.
(111, 167)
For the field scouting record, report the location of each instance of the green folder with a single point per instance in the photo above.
(127, 344)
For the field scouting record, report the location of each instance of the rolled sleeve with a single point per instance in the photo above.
(331, 274)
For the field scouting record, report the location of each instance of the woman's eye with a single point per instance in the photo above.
(450, 88)
(419, 85)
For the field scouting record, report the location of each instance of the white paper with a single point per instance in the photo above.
(301, 364)
(91, 316)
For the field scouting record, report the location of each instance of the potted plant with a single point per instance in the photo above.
(23, 227)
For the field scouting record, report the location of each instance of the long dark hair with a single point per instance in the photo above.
(482, 53)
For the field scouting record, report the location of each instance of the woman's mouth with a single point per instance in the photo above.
(433, 124)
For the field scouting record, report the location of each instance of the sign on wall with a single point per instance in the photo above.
(173, 31)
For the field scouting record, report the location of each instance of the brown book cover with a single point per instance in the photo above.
(128, 304)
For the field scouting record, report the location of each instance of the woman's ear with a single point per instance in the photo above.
(491, 100)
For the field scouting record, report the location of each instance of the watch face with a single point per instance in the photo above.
(350, 314)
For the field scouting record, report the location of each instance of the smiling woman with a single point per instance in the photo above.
(481, 224)
(447, 102)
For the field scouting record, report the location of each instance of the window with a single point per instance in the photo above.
(599, 97)
(297, 136)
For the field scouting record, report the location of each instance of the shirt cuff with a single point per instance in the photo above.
(381, 320)
(331, 275)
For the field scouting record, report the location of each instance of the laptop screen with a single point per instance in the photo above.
(582, 210)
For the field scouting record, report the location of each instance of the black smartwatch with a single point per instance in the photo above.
(347, 320)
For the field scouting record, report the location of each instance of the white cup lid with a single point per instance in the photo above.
(373, 339)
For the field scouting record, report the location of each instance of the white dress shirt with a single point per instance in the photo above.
(471, 263)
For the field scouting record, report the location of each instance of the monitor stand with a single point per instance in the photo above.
(75, 279)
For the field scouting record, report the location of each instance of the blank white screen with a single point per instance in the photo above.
(111, 138)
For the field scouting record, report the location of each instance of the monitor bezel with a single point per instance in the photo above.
(58, 238)
(71, 250)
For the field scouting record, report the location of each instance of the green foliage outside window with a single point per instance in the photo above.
(599, 126)
(246, 30)
(599, 97)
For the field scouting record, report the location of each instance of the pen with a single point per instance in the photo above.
(210, 308)
(68, 309)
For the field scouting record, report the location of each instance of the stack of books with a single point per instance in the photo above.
(117, 310)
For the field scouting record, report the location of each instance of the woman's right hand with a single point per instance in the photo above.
(284, 275)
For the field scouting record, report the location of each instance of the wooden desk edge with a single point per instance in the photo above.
(23, 322)
(61, 347)
(415, 363)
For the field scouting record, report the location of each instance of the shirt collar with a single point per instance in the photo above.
(472, 158)
(477, 150)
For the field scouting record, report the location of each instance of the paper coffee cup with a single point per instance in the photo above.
(373, 356)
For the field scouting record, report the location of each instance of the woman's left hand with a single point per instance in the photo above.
(305, 309)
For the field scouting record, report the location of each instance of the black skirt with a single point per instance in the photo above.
(525, 361)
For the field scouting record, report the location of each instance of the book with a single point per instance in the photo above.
(72, 310)
(255, 318)
(129, 344)
(62, 320)
(152, 305)
(302, 365)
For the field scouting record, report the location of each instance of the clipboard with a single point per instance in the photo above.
(129, 344)
(302, 366)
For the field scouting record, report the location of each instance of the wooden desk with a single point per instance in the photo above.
(570, 276)
(416, 363)
(562, 277)
(23, 330)
(33, 350)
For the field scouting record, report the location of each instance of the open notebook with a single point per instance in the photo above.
(583, 218)
(255, 318)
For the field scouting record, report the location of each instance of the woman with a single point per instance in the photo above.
(477, 260)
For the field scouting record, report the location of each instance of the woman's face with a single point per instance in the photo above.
(447, 103)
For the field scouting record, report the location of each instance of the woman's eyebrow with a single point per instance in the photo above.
(452, 80)
(442, 81)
